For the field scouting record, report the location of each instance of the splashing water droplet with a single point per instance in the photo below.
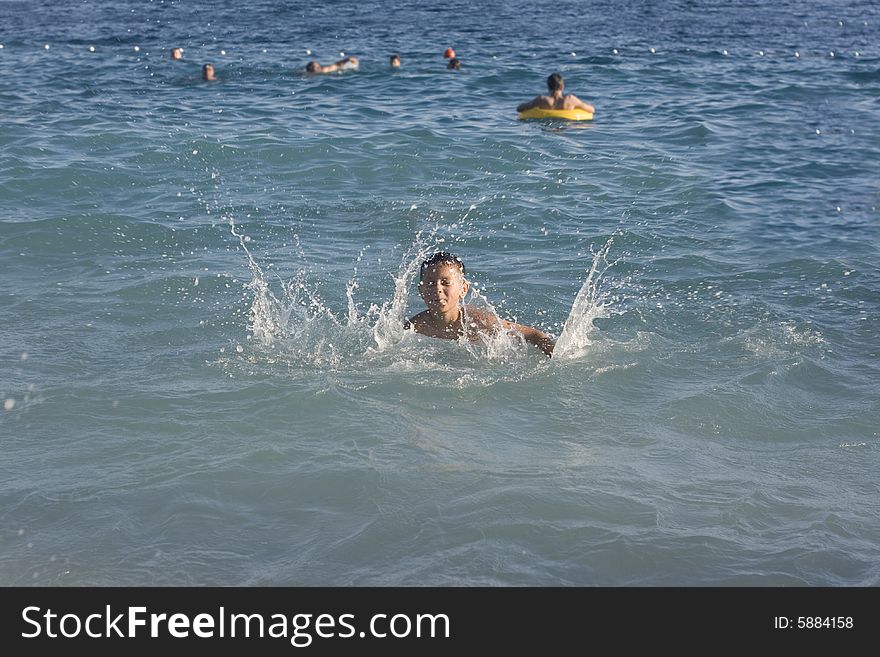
(587, 306)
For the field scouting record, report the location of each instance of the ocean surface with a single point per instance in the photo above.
(205, 378)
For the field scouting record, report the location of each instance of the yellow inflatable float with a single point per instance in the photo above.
(570, 115)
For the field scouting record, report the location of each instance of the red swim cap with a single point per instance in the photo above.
(449, 54)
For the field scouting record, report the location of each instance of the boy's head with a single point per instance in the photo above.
(554, 83)
(442, 285)
(441, 258)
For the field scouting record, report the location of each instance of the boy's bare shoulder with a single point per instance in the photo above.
(416, 321)
(573, 102)
(543, 102)
(481, 319)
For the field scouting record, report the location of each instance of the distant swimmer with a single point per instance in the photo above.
(347, 64)
(177, 53)
(395, 61)
(556, 99)
(208, 73)
(454, 63)
(442, 286)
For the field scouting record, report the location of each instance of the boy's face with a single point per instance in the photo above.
(442, 287)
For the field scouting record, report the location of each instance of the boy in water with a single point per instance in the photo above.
(556, 98)
(442, 286)
(348, 64)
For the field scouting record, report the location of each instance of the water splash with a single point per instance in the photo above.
(388, 329)
(295, 320)
(264, 320)
(295, 324)
(574, 339)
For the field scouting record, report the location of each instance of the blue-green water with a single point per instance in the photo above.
(205, 377)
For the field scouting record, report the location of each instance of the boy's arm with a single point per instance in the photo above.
(582, 105)
(486, 321)
(529, 104)
(341, 65)
(533, 336)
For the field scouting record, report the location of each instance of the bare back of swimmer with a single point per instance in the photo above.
(556, 98)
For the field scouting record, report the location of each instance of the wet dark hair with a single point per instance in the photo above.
(313, 66)
(554, 82)
(441, 258)
(455, 62)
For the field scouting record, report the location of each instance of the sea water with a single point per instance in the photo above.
(206, 380)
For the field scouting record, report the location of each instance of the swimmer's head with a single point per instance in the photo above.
(442, 284)
(441, 258)
(395, 61)
(177, 53)
(454, 63)
(554, 83)
(208, 72)
(449, 54)
(313, 67)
